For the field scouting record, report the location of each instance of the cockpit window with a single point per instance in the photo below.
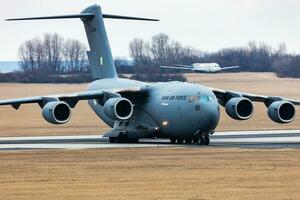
(204, 98)
(208, 98)
(211, 98)
(193, 98)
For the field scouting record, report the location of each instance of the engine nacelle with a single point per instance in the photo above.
(282, 112)
(57, 112)
(239, 108)
(118, 108)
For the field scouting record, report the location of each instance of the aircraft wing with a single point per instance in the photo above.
(231, 67)
(70, 98)
(224, 95)
(183, 67)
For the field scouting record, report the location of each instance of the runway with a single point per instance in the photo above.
(242, 139)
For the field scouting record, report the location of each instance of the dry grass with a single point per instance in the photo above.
(150, 173)
(28, 120)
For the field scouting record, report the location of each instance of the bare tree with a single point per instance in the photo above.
(53, 49)
(160, 48)
(75, 58)
(139, 50)
(31, 55)
(26, 56)
(148, 56)
(52, 54)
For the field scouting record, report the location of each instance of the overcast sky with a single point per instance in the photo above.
(204, 24)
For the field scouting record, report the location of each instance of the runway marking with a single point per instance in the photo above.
(264, 132)
(255, 139)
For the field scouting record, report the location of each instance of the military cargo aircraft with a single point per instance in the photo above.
(182, 112)
(201, 67)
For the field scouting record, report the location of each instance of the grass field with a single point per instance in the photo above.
(147, 173)
(28, 120)
(151, 173)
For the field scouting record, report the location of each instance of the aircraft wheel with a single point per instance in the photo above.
(188, 140)
(173, 140)
(133, 140)
(180, 141)
(200, 140)
(206, 140)
(195, 140)
(137, 141)
(126, 140)
(112, 140)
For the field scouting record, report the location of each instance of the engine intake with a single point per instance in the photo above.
(282, 112)
(57, 112)
(239, 108)
(118, 108)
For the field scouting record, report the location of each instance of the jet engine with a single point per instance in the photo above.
(57, 112)
(118, 108)
(239, 108)
(282, 112)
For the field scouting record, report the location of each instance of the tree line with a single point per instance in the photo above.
(255, 57)
(53, 54)
(52, 58)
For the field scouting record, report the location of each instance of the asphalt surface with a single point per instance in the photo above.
(242, 139)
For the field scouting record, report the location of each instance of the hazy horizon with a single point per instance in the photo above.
(208, 25)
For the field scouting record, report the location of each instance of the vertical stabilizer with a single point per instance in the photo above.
(100, 56)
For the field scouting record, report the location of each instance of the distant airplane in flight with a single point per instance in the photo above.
(201, 67)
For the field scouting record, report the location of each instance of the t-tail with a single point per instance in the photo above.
(100, 56)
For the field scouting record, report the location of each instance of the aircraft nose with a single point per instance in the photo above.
(212, 115)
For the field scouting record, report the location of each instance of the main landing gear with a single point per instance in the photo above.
(203, 139)
(122, 140)
(200, 139)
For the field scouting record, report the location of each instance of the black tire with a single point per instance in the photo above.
(200, 140)
(173, 140)
(180, 141)
(112, 140)
(126, 140)
(133, 140)
(206, 140)
(188, 140)
(195, 140)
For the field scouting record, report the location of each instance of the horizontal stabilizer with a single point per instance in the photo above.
(127, 17)
(83, 16)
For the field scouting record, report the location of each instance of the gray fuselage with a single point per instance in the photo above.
(172, 109)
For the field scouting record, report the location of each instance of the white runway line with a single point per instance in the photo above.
(268, 132)
(266, 140)
(37, 138)
(77, 146)
(259, 139)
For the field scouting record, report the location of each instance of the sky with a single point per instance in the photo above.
(208, 25)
